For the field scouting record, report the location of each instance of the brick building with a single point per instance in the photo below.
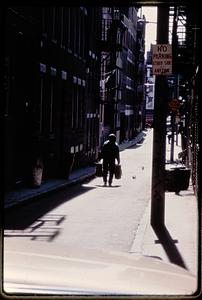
(51, 108)
(122, 72)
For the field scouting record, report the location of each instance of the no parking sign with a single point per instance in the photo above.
(162, 59)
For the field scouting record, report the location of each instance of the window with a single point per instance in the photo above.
(56, 24)
(40, 108)
(47, 22)
(75, 31)
(66, 27)
(77, 102)
(53, 23)
(130, 57)
(83, 36)
(62, 27)
(74, 103)
(129, 83)
(72, 29)
(51, 109)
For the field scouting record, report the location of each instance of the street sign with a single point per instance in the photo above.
(174, 104)
(162, 59)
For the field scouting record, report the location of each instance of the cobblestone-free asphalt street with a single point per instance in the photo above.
(90, 215)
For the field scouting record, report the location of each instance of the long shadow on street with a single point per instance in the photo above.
(168, 244)
(25, 215)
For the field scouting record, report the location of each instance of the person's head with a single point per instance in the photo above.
(112, 137)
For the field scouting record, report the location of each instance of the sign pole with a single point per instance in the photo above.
(173, 137)
(159, 133)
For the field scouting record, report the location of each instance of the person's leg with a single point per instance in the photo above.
(111, 172)
(105, 171)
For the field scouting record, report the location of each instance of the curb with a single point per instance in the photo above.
(133, 142)
(16, 198)
(137, 245)
(9, 204)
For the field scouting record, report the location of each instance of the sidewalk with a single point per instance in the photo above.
(178, 241)
(17, 197)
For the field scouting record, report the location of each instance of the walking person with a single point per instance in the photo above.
(109, 154)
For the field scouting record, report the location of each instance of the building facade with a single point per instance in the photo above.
(184, 21)
(51, 109)
(72, 76)
(140, 74)
(122, 72)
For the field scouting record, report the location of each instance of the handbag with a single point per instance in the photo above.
(118, 171)
(98, 170)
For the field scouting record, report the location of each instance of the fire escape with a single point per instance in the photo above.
(184, 35)
(111, 47)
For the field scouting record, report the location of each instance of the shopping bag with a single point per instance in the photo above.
(118, 171)
(98, 171)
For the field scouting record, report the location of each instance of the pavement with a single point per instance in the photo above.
(176, 242)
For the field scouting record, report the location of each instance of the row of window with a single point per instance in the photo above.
(91, 133)
(129, 83)
(130, 57)
(76, 149)
(50, 90)
(66, 27)
(91, 136)
(128, 37)
(78, 94)
(47, 109)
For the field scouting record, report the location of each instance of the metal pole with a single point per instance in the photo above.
(173, 137)
(159, 135)
(172, 127)
(177, 97)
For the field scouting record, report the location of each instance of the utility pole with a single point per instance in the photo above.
(159, 135)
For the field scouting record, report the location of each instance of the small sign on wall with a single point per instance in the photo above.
(162, 59)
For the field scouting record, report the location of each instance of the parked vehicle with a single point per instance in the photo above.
(42, 269)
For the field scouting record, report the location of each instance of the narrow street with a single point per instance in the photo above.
(74, 76)
(90, 215)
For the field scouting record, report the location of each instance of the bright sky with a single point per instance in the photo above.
(151, 16)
